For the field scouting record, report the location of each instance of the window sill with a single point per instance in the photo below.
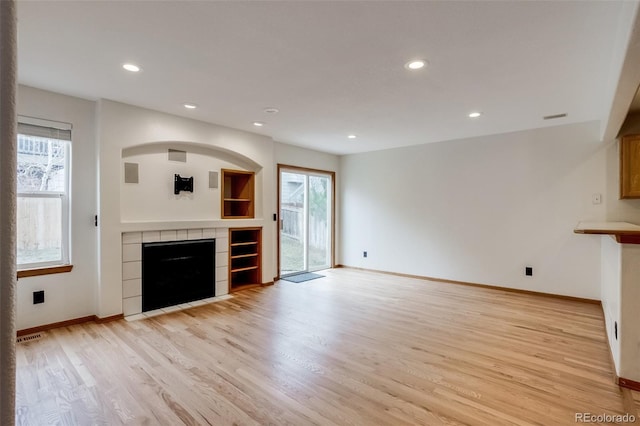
(44, 271)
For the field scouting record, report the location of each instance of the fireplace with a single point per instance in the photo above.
(175, 272)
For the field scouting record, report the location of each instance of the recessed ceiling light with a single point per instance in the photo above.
(475, 114)
(131, 67)
(351, 136)
(258, 123)
(271, 110)
(415, 64)
(190, 106)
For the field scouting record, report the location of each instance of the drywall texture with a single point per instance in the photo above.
(69, 295)
(480, 209)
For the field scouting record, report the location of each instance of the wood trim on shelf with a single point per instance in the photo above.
(629, 165)
(487, 286)
(248, 286)
(68, 323)
(247, 259)
(243, 287)
(242, 256)
(229, 197)
(622, 232)
(628, 239)
(23, 273)
(246, 268)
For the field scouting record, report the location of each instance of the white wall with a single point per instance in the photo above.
(611, 291)
(68, 295)
(629, 314)
(620, 263)
(122, 127)
(480, 209)
(291, 155)
(153, 198)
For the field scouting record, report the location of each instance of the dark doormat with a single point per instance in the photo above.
(300, 278)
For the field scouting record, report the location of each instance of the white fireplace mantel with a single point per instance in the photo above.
(138, 226)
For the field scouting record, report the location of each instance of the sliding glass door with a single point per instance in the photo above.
(306, 215)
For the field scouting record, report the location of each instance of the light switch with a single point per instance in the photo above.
(596, 198)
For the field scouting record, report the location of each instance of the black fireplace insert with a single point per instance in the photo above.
(177, 272)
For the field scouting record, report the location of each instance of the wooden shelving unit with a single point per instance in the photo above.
(630, 166)
(238, 194)
(245, 258)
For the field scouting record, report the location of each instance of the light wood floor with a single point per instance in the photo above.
(353, 348)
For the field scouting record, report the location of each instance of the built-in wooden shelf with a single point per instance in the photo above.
(240, 256)
(630, 166)
(238, 194)
(623, 232)
(248, 268)
(245, 258)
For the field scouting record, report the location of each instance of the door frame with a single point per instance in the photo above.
(332, 260)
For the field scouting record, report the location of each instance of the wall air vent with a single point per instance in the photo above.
(553, 117)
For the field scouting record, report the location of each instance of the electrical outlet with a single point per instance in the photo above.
(364, 254)
(38, 297)
(528, 271)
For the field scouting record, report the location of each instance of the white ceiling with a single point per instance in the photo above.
(332, 68)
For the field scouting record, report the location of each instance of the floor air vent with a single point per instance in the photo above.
(29, 338)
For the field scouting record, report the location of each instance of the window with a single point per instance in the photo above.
(44, 154)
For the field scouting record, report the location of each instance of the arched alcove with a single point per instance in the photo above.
(232, 157)
(147, 170)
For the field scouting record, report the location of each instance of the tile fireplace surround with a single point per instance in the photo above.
(132, 260)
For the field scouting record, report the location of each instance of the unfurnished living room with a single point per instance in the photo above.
(319, 212)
